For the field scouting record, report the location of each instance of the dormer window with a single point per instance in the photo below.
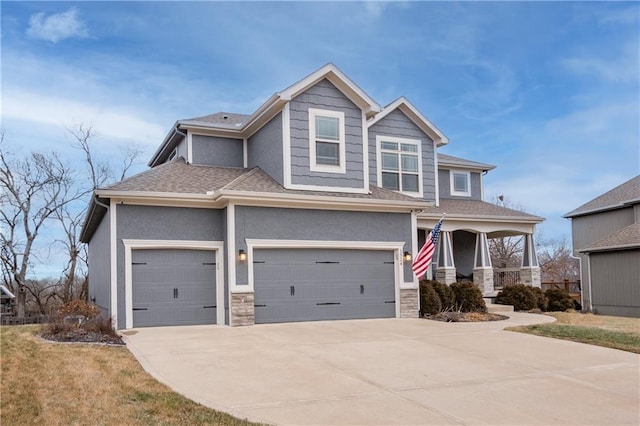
(326, 141)
(460, 183)
(400, 164)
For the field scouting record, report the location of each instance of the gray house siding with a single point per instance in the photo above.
(444, 181)
(464, 247)
(399, 125)
(589, 229)
(325, 95)
(100, 266)
(216, 151)
(326, 225)
(264, 149)
(162, 223)
(615, 282)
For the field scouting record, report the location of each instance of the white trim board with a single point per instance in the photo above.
(130, 245)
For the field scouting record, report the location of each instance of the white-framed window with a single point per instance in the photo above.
(326, 141)
(460, 183)
(400, 164)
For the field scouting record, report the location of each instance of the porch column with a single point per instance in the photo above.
(446, 270)
(530, 270)
(482, 269)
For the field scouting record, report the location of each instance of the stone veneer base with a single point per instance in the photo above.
(242, 309)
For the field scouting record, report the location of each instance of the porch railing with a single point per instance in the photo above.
(503, 277)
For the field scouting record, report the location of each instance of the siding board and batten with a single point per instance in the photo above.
(622, 268)
(589, 229)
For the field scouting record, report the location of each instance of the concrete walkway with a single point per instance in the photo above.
(394, 371)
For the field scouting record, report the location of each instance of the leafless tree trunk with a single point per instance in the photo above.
(32, 191)
(556, 263)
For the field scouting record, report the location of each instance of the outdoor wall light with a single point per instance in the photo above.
(406, 256)
(242, 255)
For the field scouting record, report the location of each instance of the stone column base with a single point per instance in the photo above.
(483, 278)
(530, 276)
(409, 303)
(446, 275)
(242, 309)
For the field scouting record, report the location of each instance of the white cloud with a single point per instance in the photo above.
(113, 121)
(56, 27)
(615, 65)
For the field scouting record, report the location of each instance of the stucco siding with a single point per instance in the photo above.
(399, 125)
(264, 149)
(162, 223)
(216, 151)
(325, 95)
(99, 264)
(589, 229)
(325, 225)
(615, 282)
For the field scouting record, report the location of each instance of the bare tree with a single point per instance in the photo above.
(32, 191)
(506, 252)
(74, 281)
(556, 262)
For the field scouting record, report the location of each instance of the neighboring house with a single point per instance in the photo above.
(308, 209)
(606, 239)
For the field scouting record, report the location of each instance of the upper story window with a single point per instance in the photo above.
(326, 141)
(400, 164)
(460, 183)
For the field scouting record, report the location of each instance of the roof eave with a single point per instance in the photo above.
(610, 248)
(485, 218)
(325, 201)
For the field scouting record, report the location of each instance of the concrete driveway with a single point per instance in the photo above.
(393, 371)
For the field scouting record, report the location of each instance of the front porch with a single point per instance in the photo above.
(463, 251)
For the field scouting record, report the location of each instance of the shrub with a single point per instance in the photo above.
(468, 297)
(520, 296)
(559, 300)
(447, 298)
(541, 298)
(79, 307)
(100, 324)
(429, 301)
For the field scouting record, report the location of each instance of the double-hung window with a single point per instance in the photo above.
(460, 183)
(326, 141)
(400, 164)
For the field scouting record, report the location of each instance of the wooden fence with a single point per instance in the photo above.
(13, 320)
(574, 288)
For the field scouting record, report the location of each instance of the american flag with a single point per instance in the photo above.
(423, 259)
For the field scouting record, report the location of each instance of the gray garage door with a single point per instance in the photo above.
(173, 287)
(312, 284)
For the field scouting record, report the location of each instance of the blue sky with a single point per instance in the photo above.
(547, 91)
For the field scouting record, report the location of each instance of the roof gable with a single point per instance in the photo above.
(415, 116)
(627, 193)
(340, 81)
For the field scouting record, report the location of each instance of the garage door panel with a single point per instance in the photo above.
(173, 287)
(309, 284)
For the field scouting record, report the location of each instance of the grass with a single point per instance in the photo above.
(601, 330)
(63, 384)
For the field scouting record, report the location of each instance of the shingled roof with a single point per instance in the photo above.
(479, 209)
(179, 177)
(618, 197)
(229, 118)
(628, 237)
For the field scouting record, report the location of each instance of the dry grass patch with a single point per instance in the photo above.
(601, 330)
(63, 384)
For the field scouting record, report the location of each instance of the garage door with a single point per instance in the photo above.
(173, 287)
(312, 284)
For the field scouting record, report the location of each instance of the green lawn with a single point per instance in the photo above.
(611, 332)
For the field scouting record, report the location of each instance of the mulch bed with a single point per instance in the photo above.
(465, 317)
(81, 336)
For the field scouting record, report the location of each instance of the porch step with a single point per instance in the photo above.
(493, 308)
